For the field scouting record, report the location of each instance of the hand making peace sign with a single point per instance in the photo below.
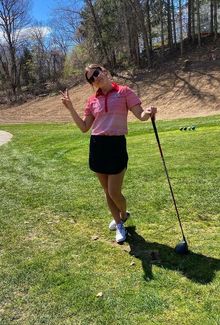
(66, 99)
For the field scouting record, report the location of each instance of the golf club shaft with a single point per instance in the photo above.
(166, 171)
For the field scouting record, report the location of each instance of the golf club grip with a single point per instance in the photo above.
(166, 171)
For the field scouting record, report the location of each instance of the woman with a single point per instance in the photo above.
(106, 113)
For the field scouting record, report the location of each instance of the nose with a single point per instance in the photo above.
(96, 77)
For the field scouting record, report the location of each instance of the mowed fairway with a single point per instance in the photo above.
(57, 254)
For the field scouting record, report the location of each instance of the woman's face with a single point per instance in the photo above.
(96, 77)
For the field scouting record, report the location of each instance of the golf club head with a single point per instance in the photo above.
(182, 248)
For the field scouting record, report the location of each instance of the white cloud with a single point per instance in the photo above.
(29, 32)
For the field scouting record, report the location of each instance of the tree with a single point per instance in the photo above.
(132, 34)
(27, 67)
(193, 20)
(198, 22)
(13, 20)
(161, 26)
(39, 48)
(64, 24)
(169, 24)
(98, 30)
(181, 27)
(215, 19)
(173, 22)
(143, 27)
(189, 31)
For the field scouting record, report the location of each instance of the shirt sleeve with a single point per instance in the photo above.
(87, 110)
(131, 98)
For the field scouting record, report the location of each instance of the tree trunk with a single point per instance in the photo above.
(215, 19)
(189, 31)
(5, 67)
(133, 44)
(149, 26)
(161, 27)
(14, 77)
(181, 27)
(198, 22)
(193, 20)
(169, 25)
(143, 28)
(211, 17)
(145, 33)
(173, 21)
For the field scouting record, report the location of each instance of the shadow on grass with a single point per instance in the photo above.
(196, 267)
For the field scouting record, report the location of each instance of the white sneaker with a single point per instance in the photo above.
(112, 225)
(120, 233)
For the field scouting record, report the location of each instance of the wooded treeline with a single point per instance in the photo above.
(118, 33)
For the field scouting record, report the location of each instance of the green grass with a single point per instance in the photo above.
(52, 205)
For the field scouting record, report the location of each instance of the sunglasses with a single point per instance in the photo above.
(95, 74)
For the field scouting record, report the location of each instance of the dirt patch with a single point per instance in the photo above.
(176, 93)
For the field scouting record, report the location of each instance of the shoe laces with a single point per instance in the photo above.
(120, 227)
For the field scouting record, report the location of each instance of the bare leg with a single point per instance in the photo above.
(114, 189)
(103, 179)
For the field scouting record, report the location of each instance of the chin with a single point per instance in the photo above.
(98, 84)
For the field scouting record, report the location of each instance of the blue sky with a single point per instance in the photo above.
(41, 9)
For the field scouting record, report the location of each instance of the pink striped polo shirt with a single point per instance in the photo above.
(110, 111)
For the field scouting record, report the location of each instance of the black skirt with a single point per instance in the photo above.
(108, 154)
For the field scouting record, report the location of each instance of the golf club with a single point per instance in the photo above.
(181, 247)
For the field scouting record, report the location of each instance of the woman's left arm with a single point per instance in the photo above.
(143, 114)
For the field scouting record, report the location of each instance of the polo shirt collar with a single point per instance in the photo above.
(115, 87)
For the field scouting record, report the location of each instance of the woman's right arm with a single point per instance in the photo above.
(83, 124)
